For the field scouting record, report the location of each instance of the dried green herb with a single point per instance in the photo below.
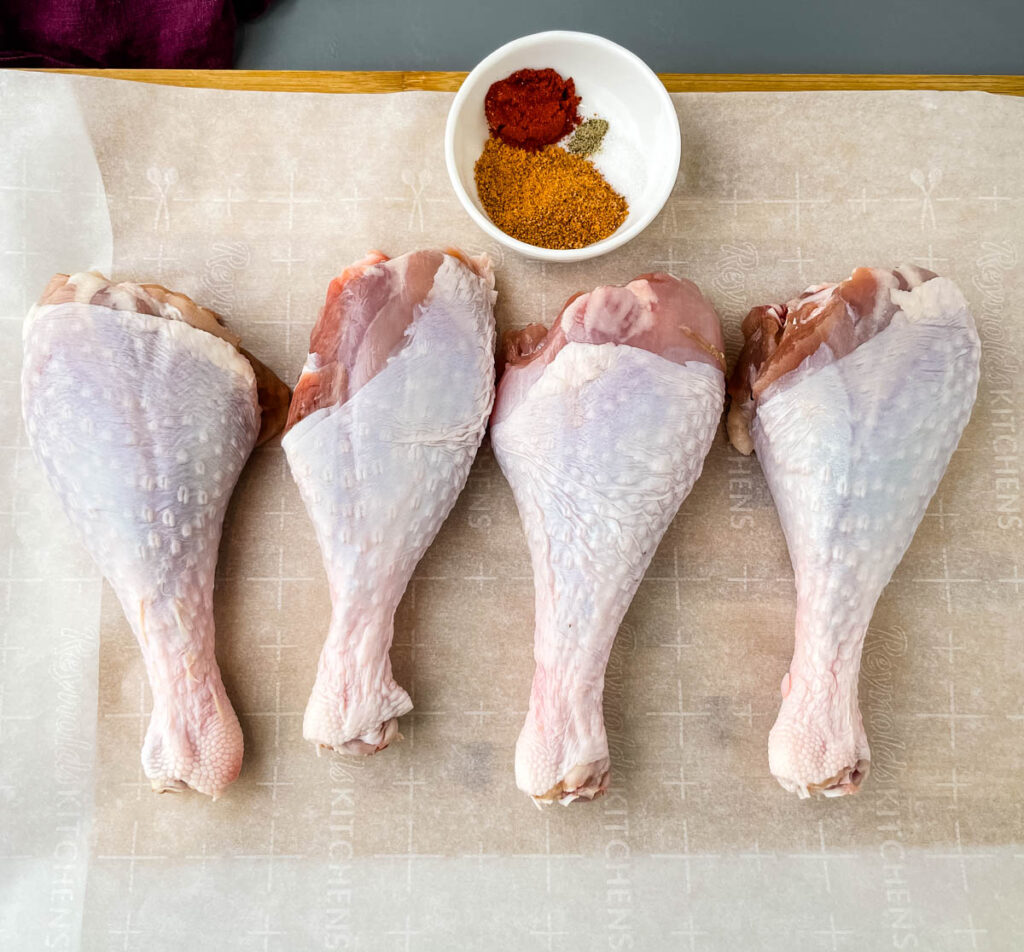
(587, 137)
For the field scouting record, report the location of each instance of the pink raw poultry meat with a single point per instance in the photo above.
(854, 396)
(601, 427)
(142, 410)
(386, 419)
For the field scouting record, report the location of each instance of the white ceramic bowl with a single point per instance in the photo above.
(614, 84)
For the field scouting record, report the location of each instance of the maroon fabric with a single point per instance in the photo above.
(125, 33)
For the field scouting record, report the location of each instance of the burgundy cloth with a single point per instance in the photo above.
(125, 33)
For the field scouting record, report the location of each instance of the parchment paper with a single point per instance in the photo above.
(251, 202)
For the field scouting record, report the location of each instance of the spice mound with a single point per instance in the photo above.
(588, 137)
(548, 198)
(532, 108)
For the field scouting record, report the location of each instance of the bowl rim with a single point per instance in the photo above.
(605, 245)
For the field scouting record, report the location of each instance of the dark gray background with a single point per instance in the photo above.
(692, 36)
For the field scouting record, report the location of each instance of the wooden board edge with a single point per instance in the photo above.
(754, 82)
(370, 81)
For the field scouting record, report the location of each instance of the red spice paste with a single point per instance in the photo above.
(532, 108)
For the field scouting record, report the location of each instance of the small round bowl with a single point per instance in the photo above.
(614, 84)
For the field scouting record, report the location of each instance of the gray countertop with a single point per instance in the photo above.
(730, 36)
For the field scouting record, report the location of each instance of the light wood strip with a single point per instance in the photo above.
(324, 81)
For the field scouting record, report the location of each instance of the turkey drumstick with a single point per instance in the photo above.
(142, 410)
(601, 426)
(854, 396)
(383, 428)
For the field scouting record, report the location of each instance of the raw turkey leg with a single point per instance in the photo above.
(386, 419)
(601, 427)
(854, 397)
(142, 411)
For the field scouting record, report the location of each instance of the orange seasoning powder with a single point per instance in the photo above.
(548, 198)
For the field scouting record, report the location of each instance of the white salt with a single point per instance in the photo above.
(619, 158)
